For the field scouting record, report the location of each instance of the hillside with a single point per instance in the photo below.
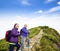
(50, 40)
(46, 40)
(4, 45)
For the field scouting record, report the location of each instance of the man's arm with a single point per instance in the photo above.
(25, 31)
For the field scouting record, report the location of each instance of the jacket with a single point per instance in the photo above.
(24, 32)
(14, 35)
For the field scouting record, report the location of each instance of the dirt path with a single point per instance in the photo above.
(35, 39)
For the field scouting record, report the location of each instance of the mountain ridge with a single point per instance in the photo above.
(50, 40)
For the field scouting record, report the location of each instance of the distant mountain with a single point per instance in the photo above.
(50, 40)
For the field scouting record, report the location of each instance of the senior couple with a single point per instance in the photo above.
(14, 37)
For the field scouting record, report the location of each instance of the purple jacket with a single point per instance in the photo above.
(24, 32)
(14, 35)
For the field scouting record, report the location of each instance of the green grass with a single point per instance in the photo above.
(49, 42)
(5, 45)
(34, 31)
(50, 37)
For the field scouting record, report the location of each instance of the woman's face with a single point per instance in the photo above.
(17, 26)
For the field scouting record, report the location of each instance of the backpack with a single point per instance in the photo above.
(8, 35)
(21, 32)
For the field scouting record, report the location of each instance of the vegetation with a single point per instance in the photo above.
(50, 40)
(5, 45)
(34, 31)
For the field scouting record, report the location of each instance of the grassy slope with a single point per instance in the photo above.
(4, 45)
(34, 31)
(50, 40)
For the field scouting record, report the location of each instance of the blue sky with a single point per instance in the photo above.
(31, 12)
(23, 7)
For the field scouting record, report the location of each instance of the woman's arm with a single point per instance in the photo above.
(14, 33)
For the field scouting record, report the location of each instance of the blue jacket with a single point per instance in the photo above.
(24, 32)
(14, 35)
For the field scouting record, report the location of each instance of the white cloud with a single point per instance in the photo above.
(51, 21)
(40, 11)
(51, 10)
(25, 2)
(58, 3)
(54, 9)
(7, 24)
(49, 1)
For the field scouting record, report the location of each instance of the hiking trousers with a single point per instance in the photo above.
(11, 48)
(23, 41)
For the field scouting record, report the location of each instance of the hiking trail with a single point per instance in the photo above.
(33, 40)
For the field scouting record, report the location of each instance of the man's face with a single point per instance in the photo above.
(25, 25)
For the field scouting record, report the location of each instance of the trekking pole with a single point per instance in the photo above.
(28, 48)
(28, 43)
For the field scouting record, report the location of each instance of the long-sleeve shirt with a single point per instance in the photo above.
(24, 32)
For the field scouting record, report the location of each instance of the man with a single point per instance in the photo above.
(24, 36)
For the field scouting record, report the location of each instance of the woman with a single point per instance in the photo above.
(14, 38)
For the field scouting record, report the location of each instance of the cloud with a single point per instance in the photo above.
(54, 9)
(7, 24)
(25, 2)
(38, 12)
(58, 3)
(51, 21)
(51, 10)
(49, 1)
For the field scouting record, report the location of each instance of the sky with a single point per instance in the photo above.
(31, 12)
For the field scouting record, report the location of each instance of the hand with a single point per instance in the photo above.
(29, 32)
(18, 32)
